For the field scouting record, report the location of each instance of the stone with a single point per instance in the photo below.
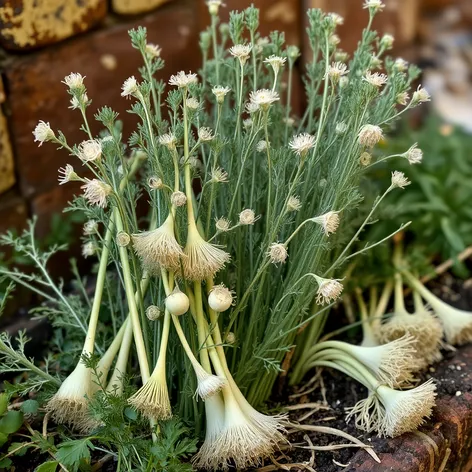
(106, 58)
(135, 7)
(7, 170)
(28, 24)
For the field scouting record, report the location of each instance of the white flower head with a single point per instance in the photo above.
(338, 20)
(341, 127)
(387, 41)
(365, 159)
(262, 145)
(421, 95)
(334, 40)
(399, 180)
(153, 313)
(168, 140)
(67, 174)
(214, 6)
(241, 52)
(290, 122)
(218, 175)
(205, 134)
(336, 70)
(293, 203)
(247, 217)
(414, 154)
(328, 290)
(328, 221)
(370, 135)
(178, 199)
(129, 87)
(90, 150)
(222, 224)
(89, 249)
(247, 123)
(402, 98)
(263, 98)
(192, 103)
(293, 52)
(43, 133)
(220, 92)
(400, 64)
(155, 183)
(277, 253)
(90, 227)
(96, 192)
(375, 79)
(374, 5)
(302, 143)
(74, 80)
(153, 50)
(251, 108)
(220, 298)
(276, 62)
(183, 80)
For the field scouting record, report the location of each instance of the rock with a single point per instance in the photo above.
(135, 7)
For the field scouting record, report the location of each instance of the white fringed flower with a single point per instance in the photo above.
(421, 95)
(302, 143)
(90, 227)
(328, 290)
(247, 217)
(293, 204)
(405, 410)
(399, 180)
(218, 175)
(129, 87)
(370, 135)
(67, 174)
(375, 79)
(205, 134)
(220, 92)
(261, 146)
(336, 70)
(155, 183)
(183, 80)
(374, 5)
(400, 64)
(96, 192)
(89, 249)
(178, 199)
(214, 6)
(263, 98)
(277, 253)
(276, 62)
(222, 224)
(208, 384)
(402, 98)
(203, 258)
(338, 20)
(329, 221)
(386, 41)
(158, 248)
(43, 133)
(414, 155)
(241, 52)
(90, 150)
(168, 140)
(192, 103)
(153, 50)
(74, 80)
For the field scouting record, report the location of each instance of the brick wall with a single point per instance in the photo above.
(41, 41)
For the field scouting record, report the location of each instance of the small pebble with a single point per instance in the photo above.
(458, 393)
(458, 367)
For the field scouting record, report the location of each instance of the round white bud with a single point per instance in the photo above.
(177, 302)
(220, 298)
(153, 313)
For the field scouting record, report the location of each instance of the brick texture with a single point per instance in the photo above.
(28, 24)
(134, 7)
(106, 59)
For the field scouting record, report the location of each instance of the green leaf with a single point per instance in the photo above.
(30, 407)
(11, 422)
(3, 438)
(131, 413)
(3, 403)
(49, 466)
(19, 448)
(72, 452)
(5, 463)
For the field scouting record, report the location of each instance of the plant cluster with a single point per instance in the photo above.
(252, 220)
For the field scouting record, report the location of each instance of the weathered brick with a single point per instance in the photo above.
(399, 18)
(13, 213)
(28, 24)
(106, 58)
(135, 7)
(7, 171)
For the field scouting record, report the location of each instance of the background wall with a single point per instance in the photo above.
(42, 41)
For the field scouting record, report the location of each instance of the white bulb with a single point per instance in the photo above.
(220, 298)
(177, 303)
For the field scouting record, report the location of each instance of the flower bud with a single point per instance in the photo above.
(220, 298)
(123, 239)
(153, 313)
(177, 302)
